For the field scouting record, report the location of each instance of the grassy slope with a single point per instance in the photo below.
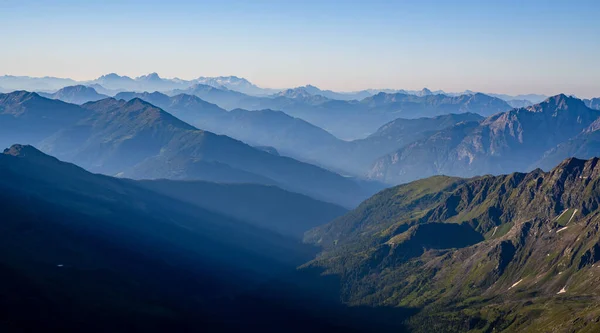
(473, 286)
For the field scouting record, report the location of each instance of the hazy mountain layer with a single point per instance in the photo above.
(137, 139)
(350, 119)
(268, 207)
(295, 137)
(76, 94)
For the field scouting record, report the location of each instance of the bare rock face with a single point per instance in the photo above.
(593, 103)
(513, 140)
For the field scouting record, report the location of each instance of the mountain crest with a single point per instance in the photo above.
(19, 150)
(424, 92)
(149, 77)
(75, 88)
(21, 95)
(299, 92)
(112, 76)
(577, 168)
(136, 101)
(31, 154)
(560, 102)
(187, 98)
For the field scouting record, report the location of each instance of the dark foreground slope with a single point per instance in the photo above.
(511, 253)
(85, 252)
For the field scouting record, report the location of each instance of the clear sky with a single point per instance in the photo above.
(508, 46)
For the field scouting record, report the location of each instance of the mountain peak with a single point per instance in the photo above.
(224, 81)
(149, 77)
(110, 76)
(577, 168)
(299, 92)
(27, 151)
(137, 103)
(560, 102)
(77, 88)
(187, 98)
(21, 95)
(424, 92)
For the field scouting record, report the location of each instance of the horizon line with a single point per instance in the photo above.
(440, 91)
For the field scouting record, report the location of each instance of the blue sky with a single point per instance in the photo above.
(506, 46)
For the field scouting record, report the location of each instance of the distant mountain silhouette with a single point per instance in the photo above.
(76, 94)
(297, 138)
(115, 82)
(46, 84)
(350, 119)
(411, 106)
(291, 136)
(344, 96)
(235, 83)
(534, 98)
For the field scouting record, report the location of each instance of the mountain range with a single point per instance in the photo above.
(514, 140)
(348, 115)
(297, 138)
(406, 149)
(139, 140)
(205, 208)
(112, 83)
(304, 141)
(350, 119)
(464, 146)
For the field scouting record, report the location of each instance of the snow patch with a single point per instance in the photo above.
(575, 211)
(561, 229)
(561, 214)
(563, 290)
(514, 285)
